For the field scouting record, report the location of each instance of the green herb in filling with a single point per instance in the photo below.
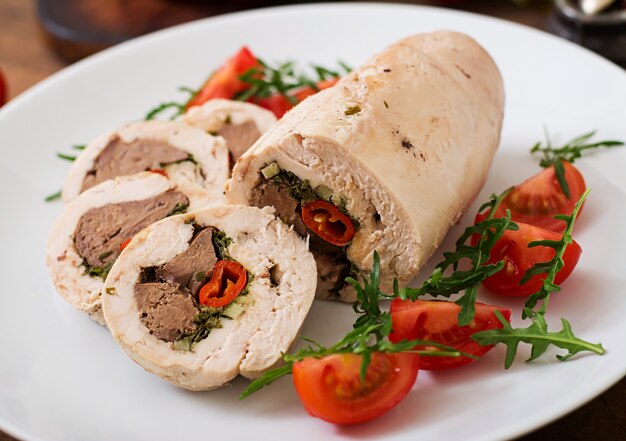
(97, 271)
(178, 209)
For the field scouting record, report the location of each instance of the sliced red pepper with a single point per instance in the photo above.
(225, 82)
(228, 280)
(279, 104)
(159, 171)
(125, 244)
(328, 222)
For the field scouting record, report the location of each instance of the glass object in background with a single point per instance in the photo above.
(77, 28)
(604, 32)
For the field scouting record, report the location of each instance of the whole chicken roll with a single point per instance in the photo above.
(387, 159)
(202, 297)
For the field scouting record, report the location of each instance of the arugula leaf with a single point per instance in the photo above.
(53, 197)
(552, 267)
(572, 150)
(536, 335)
(441, 285)
(178, 106)
(66, 157)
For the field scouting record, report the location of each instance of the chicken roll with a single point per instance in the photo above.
(239, 123)
(387, 159)
(186, 154)
(92, 230)
(199, 298)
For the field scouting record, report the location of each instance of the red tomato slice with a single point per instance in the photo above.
(512, 247)
(538, 199)
(437, 321)
(330, 388)
(225, 82)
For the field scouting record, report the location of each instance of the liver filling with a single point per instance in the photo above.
(167, 310)
(239, 137)
(332, 264)
(120, 159)
(101, 231)
(191, 267)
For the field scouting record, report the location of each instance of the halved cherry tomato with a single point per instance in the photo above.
(3, 90)
(125, 244)
(331, 389)
(512, 247)
(280, 105)
(538, 199)
(437, 321)
(228, 280)
(159, 171)
(225, 82)
(328, 222)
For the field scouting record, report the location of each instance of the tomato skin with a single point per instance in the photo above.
(512, 247)
(437, 321)
(330, 388)
(538, 199)
(225, 82)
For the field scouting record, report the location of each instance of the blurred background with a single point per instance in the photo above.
(39, 37)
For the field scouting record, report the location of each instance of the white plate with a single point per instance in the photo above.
(63, 378)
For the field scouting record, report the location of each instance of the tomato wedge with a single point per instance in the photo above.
(279, 104)
(225, 82)
(229, 278)
(330, 387)
(328, 222)
(538, 199)
(513, 249)
(437, 321)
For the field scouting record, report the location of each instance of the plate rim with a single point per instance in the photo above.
(558, 411)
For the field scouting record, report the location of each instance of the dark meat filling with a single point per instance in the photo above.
(239, 137)
(101, 231)
(168, 311)
(167, 295)
(332, 264)
(121, 159)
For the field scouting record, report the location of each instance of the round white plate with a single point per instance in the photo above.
(63, 378)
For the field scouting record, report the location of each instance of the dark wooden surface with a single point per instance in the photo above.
(25, 58)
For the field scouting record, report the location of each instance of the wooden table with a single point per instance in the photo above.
(25, 60)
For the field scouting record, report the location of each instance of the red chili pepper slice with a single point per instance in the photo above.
(228, 280)
(125, 244)
(159, 171)
(328, 222)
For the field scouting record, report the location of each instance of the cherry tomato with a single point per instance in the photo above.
(225, 82)
(513, 249)
(330, 387)
(228, 280)
(437, 321)
(328, 222)
(3, 90)
(538, 199)
(280, 105)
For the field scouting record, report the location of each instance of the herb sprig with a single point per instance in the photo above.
(538, 336)
(553, 266)
(572, 150)
(441, 285)
(369, 335)
(179, 107)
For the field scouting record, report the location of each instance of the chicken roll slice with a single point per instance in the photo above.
(239, 123)
(387, 159)
(92, 230)
(188, 155)
(199, 298)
